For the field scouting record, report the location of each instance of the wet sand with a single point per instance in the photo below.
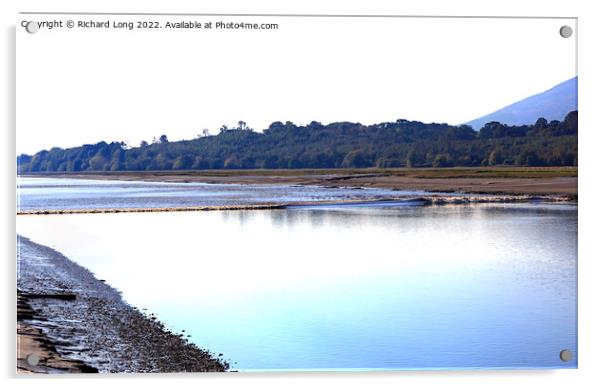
(557, 181)
(32, 340)
(266, 206)
(75, 322)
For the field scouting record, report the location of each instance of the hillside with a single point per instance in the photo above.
(552, 104)
(337, 145)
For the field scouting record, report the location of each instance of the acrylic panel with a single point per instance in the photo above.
(254, 193)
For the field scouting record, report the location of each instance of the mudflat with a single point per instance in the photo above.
(491, 180)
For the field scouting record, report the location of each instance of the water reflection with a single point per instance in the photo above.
(361, 287)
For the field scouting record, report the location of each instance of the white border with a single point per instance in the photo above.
(590, 31)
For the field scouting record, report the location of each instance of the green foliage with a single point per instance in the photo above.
(337, 145)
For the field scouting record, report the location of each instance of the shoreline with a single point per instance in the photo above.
(75, 322)
(558, 182)
(420, 200)
(151, 209)
(31, 340)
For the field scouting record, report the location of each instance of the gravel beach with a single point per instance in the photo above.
(74, 322)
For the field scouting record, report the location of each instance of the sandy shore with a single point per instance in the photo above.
(551, 181)
(74, 322)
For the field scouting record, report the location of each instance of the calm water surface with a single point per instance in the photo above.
(399, 287)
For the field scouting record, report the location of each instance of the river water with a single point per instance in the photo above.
(338, 287)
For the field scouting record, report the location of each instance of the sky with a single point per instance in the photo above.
(77, 86)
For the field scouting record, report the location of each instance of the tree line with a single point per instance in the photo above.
(337, 145)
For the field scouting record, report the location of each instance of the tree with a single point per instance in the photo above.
(541, 123)
(355, 159)
(335, 145)
(182, 162)
(98, 162)
(442, 160)
(494, 157)
(411, 159)
(570, 122)
(242, 126)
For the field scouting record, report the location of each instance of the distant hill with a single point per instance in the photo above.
(553, 104)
